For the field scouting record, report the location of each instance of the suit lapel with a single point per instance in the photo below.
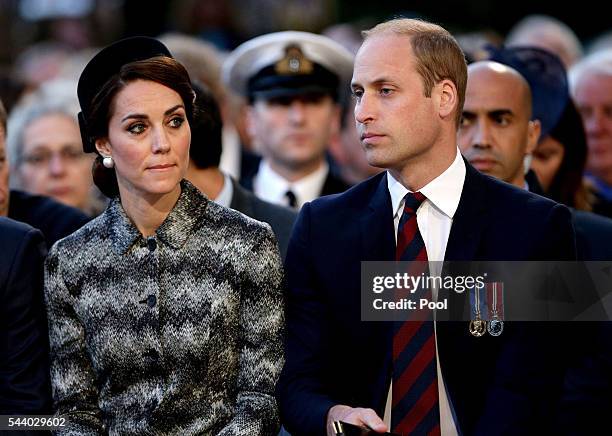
(464, 240)
(378, 244)
(240, 200)
(469, 220)
(333, 184)
(377, 238)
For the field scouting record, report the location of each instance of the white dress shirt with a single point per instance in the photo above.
(231, 151)
(227, 192)
(434, 218)
(271, 186)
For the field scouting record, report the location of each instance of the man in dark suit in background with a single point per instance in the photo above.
(24, 343)
(495, 135)
(293, 81)
(409, 84)
(205, 154)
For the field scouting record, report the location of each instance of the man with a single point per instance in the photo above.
(54, 219)
(205, 155)
(591, 87)
(24, 344)
(293, 82)
(494, 89)
(496, 133)
(409, 84)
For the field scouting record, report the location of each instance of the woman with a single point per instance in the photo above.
(45, 149)
(559, 161)
(165, 312)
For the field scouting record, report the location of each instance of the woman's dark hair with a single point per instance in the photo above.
(161, 69)
(206, 129)
(567, 186)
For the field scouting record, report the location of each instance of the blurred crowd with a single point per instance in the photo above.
(43, 152)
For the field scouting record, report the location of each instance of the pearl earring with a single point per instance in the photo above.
(107, 161)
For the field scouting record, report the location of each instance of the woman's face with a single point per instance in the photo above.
(53, 162)
(148, 140)
(547, 159)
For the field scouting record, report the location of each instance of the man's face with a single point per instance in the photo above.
(396, 122)
(53, 160)
(495, 133)
(593, 96)
(294, 132)
(4, 175)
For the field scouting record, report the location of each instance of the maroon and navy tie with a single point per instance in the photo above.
(415, 410)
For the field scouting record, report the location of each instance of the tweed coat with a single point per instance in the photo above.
(178, 333)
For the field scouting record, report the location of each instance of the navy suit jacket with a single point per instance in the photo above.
(24, 342)
(507, 384)
(54, 219)
(587, 396)
(280, 218)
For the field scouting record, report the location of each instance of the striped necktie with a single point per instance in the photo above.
(415, 409)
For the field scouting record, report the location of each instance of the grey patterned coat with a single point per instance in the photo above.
(179, 333)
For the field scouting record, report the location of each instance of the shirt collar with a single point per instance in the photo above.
(225, 196)
(178, 226)
(443, 192)
(272, 186)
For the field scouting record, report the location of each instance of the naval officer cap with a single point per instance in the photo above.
(105, 64)
(286, 64)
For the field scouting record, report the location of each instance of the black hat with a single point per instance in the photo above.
(547, 79)
(285, 64)
(103, 66)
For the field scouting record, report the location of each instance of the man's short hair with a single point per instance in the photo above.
(437, 53)
(598, 62)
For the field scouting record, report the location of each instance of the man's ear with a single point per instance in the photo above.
(103, 146)
(534, 129)
(448, 98)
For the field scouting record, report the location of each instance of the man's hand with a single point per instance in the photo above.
(358, 416)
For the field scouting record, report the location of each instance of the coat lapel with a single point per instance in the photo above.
(377, 230)
(469, 224)
(378, 244)
(240, 200)
(470, 219)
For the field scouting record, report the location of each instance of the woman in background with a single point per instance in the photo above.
(559, 161)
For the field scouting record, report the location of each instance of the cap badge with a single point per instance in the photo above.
(294, 62)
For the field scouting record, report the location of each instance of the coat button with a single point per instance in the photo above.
(151, 300)
(151, 354)
(151, 244)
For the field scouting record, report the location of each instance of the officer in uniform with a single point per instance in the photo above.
(293, 82)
